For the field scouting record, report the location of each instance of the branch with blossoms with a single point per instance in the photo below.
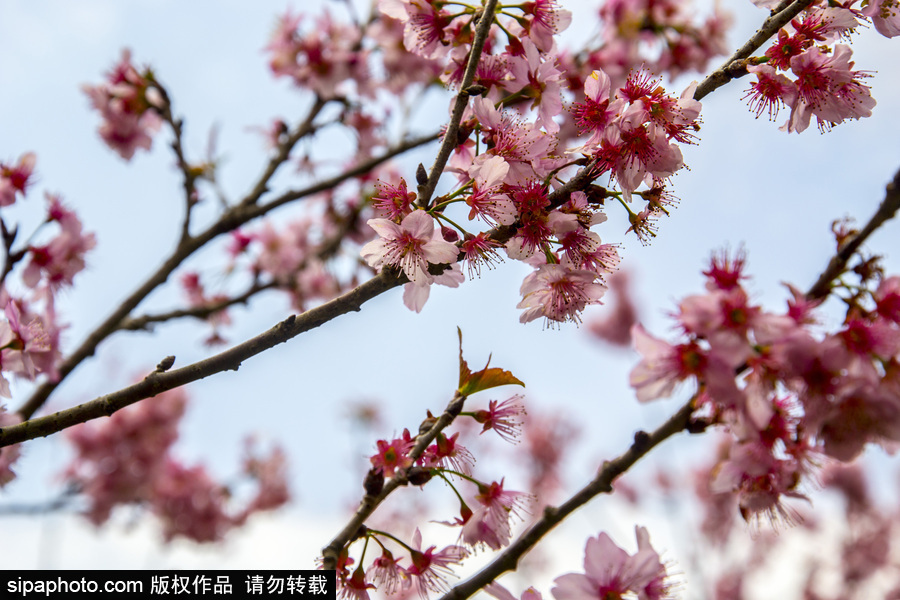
(530, 132)
(244, 212)
(718, 403)
(163, 380)
(633, 138)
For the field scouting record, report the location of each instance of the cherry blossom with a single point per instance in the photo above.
(558, 293)
(393, 455)
(15, 179)
(10, 454)
(429, 568)
(57, 262)
(885, 15)
(410, 246)
(128, 103)
(502, 417)
(610, 572)
(490, 522)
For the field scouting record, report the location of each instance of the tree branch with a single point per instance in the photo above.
(601, 484)
(370, 502)
(736, 66)
(485, 20)
(229, 360)
(230, 220)
(145, 322)
(838, 263)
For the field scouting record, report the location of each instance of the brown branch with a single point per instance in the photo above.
(233, 218)
(370, 502)
(736, 66)
(360, 169)
(601, 484)
(283, 152)
(485, 20)
(229, 360)
(838, 263)
(189, 174)
(146, 322)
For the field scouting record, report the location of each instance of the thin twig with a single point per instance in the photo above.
(486, 19)
(189, 174)
(838, 263)
(145, 322)
(736, 66)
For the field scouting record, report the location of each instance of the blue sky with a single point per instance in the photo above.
(748, 184)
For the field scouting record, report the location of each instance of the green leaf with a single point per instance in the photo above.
(486, 378)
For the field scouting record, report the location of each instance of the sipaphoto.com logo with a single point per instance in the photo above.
(23, 587)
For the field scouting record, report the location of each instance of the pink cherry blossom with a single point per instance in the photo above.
(490, 522)
(190, 504)
(885, 15)
(638, 149)
(664, 366)
(598, 110)
(480, 250)
(828, 89)
(270, 474)
(118, 460)
(10, 454)
(415, 294)
(558, 293)
(541, 76)
(447, 453)
(610, 572)
(324, 59)
(14, 179)
(424, 25)
(429, 568)
(393, 202)
(410, 246)
(57, 262)
(487, 200)
(26, 347)
(502, 417)
(128, 104)
(387, 573)
(393, 455)
(544, 20)
(355, 587)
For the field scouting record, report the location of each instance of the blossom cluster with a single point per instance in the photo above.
(807, 70)
(128, 459)
(30, 330)
(485, 517)
(790, 397)
(610, 572)
(506, 183)
(128, 103)
(632, 136)
(29, 337)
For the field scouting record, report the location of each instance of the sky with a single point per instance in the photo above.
(748, 184)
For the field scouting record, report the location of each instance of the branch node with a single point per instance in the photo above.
(641, 441)
(696, 426)
(374, 481)
(475, 90)
(165, 364)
